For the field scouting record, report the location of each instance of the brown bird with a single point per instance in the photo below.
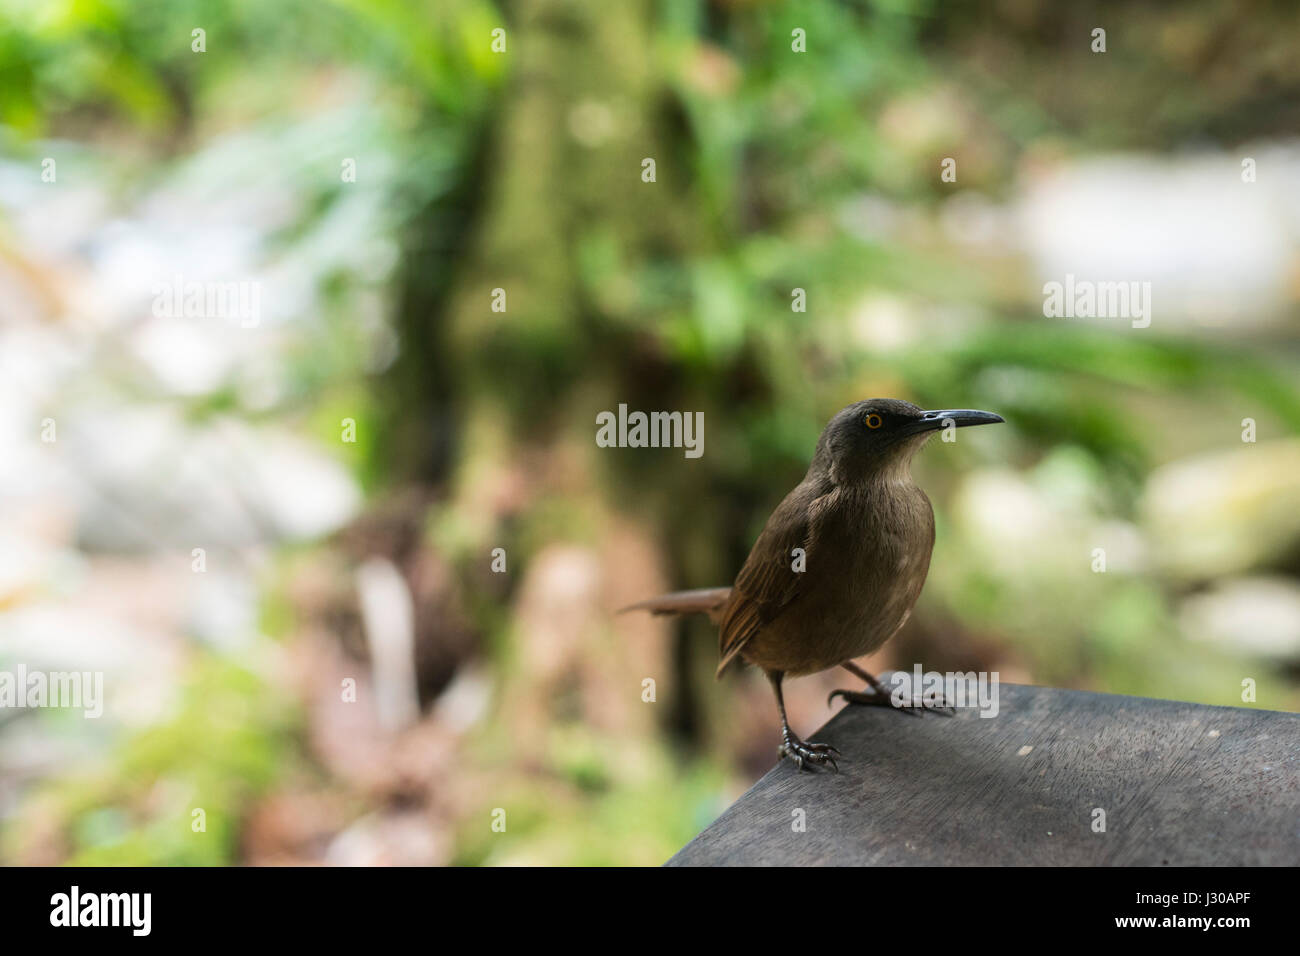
(840, 564)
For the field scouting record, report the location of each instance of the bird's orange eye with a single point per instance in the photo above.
(874, 420)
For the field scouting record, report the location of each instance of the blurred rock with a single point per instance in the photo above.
(1259, 616)
(1223, 258)
(391, 838)
(1223, 514)
(146, 479)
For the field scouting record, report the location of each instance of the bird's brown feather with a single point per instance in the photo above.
(768, 583)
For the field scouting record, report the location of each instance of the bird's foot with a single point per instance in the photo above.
(802, 752)
(882, 698)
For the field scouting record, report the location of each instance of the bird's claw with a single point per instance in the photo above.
(813, 754)
(912, 708)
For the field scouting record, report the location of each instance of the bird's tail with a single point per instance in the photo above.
(708, 601)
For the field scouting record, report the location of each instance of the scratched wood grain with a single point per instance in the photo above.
(1181, 784)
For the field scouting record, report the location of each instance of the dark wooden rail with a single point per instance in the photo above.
(1180, 784)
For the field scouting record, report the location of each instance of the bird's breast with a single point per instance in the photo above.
(865, 573)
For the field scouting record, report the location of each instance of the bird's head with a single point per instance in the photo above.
(879, 436)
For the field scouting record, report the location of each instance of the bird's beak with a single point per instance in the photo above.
(960, 417)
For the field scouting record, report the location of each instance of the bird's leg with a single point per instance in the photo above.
(880, 695)
(791, 746)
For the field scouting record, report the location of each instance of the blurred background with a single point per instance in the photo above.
(276, 539)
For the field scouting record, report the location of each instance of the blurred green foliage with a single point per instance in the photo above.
(228, 741)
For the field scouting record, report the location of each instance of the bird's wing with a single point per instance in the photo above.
(768, 582)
